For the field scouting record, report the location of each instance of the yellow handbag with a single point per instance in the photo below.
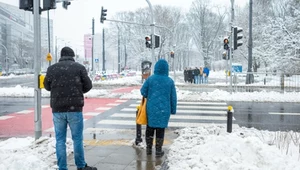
(141, 117)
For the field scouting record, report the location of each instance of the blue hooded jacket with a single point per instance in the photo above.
(159, 89)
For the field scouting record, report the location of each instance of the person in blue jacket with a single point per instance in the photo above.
(159, 89)
(206, 74)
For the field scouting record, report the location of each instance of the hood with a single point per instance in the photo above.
(66, 58)
(161, 67)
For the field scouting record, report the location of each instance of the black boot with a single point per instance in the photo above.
(87, 168)
(159, 143)
(149, 139)
(149, 143)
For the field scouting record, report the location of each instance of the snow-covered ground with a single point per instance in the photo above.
(207, 147)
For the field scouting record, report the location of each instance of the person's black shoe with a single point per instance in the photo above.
(87, 168)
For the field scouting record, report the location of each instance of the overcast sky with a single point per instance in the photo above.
(73, 23)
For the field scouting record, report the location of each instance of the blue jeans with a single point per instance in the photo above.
(75, 121)
(196, 79)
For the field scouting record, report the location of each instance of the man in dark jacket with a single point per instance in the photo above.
(67, 81)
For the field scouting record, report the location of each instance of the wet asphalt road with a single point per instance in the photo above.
(260, 115)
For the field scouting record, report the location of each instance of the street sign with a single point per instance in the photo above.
(49, 57)
(96, 60)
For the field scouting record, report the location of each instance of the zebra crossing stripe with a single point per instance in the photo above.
(276, 113)
(183, 111)
(195, 103)
(193, 107)
(5, 117)
(171, 124)
(189, 117)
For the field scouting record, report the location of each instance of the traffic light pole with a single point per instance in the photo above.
(37, 68)
(153, 36)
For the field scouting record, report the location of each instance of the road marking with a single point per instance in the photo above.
(45, 106)
(113, 104)
(276, 113)
(97, 142)
(25, 112)
(92, 113)
(198, 103)
(5, 117)
(189, 117)
(103, 108)
(183, 111)
(192, 107)
(171, 124)
(121, 101)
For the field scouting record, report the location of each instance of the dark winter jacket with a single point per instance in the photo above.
(67, 81)
(159, 89)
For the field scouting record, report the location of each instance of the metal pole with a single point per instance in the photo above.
(119, 52)
(103, 51)
(93, 33)
(37, 68)
(230, 44)
(152, 36)
(249, 78)
(49, 46)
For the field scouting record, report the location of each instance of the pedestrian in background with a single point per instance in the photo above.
(159, 89)
(67, 81)
(206, 74)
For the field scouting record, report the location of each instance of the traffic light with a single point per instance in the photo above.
(148, 42)
(103, 15)
(236, 37)
(26, 5)
(65, 4)
(49, 4)
(226, 43)
(172, 54)
(157, 41)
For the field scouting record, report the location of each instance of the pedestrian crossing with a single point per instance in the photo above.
(189, 114)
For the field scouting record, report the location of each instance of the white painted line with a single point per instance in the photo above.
(202, 111)
(113, 104)
(45, 106)
(202, 107)
(121, 101)
(25, 112)
(204, 103)
(189, 117)
(171, 124)
(5, 117)
(103, 108)
(275, 113)
(91, 113)
(183, 111)
(193, 107)
(197, 103)
(129, 110)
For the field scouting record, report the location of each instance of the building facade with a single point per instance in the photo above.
(17, 37)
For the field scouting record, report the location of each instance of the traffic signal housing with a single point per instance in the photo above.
(172, 54)
(65, 4)
(26, 5)
(157, 41)
(103, 15)
(226, 43)
(49, 4)
(148, 42)
(236, 37)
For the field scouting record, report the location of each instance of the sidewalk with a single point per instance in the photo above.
(115, 151)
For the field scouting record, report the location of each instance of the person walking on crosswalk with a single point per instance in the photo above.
(159, 89)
